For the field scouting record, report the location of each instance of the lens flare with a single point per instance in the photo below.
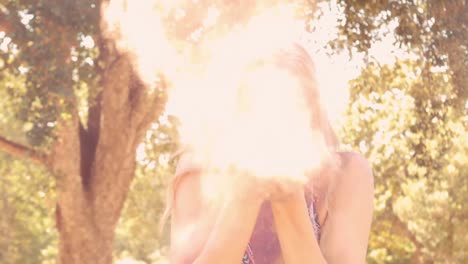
(252, 119)
(137, 28)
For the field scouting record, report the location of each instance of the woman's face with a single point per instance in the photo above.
(272, 93)
(274, 121)
(280, 93)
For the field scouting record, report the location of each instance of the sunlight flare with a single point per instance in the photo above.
(235, 115)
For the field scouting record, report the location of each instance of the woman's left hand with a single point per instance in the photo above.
(281, 191)
(294, 229)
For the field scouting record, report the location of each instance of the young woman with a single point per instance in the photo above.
(325, 221)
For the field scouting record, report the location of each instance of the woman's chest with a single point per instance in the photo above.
(264, 246)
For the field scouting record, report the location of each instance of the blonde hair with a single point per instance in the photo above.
(294, 59)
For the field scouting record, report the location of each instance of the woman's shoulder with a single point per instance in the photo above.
(355, 162)
(354, 177)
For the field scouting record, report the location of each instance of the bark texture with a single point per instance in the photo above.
(95, 166)
(94, 163)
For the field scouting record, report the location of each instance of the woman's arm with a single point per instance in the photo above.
(345, 236)
(203, 233)
(295, 231)
(231, 234)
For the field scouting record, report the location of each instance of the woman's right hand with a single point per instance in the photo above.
(249, 187)
(267, 188)
(204, 232)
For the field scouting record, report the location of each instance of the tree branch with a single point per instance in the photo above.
(23, 152)
(5, 25)
(127, 110)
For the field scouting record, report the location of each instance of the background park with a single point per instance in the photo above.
(86, 143)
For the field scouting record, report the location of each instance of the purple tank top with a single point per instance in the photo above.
(264, 245)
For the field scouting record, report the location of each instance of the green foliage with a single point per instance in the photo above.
(27, 193)
(27, 222)
(38, 37)
(140, 234)
(434, 29)
(415, 137)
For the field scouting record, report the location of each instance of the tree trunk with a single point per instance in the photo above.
(95, 163)
(83, 244)
(95, 166)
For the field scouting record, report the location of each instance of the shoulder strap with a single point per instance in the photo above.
(248, 256)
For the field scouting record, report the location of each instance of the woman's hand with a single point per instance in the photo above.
(249, 187)
(279, 191)
(211, 231)
(295, 230)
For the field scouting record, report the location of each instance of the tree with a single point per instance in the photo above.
(409, 120)
(437, 31)
(416, 142)
(91, 150)
(139, 233)
(26, 199)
